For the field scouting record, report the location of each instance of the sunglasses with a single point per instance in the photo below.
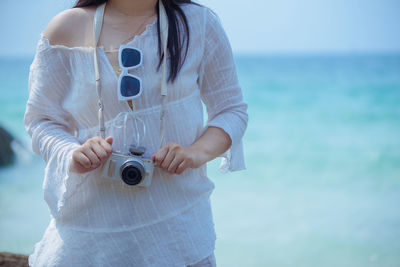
(129, 86)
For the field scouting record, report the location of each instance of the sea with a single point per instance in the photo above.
(322, 152)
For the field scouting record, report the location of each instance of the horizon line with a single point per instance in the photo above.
(271, 53)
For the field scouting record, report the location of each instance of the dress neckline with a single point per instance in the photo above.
(148, 30)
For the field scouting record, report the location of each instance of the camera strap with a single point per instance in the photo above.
(97, 25)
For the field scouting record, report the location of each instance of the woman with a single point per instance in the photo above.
(98, 221)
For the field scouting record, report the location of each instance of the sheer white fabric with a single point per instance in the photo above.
(96, 221)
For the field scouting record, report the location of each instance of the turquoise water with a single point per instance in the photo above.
(322, 185)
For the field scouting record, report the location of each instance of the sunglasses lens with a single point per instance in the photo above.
(130, 57)
(130, 86)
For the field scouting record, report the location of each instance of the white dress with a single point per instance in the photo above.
(96, 221)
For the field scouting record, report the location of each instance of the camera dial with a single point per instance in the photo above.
(137, 150)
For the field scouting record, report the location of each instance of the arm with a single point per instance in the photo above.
(50, 126)
(227, 112)
(212, 143)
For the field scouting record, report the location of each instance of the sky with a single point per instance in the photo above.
(261, 27)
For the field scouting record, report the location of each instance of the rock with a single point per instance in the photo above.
(13, 260)
(7, 154)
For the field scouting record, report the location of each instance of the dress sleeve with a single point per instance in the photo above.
(50, 126)
(221, 93)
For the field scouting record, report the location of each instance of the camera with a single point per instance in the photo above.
(132, 167)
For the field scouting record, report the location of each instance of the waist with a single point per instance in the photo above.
(61, 222)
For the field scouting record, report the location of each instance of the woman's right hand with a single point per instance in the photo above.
(91, 154)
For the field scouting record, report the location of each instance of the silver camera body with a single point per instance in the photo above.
(132, 168)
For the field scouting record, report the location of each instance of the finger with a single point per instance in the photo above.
(99, 151)
(94, 160)
(82, 160)
(160, 155)
(106, 146)
(178, 159)
(109, 140)
(168, 159)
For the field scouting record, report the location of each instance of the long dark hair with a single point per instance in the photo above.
(176, 39)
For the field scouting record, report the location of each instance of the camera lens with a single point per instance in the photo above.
(132, 172)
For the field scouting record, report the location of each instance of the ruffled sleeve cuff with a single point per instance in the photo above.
(60, 184)
(233, 158)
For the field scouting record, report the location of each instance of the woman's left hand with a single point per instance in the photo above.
(175, 158)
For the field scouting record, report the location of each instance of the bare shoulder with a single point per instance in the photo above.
(71, 27)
